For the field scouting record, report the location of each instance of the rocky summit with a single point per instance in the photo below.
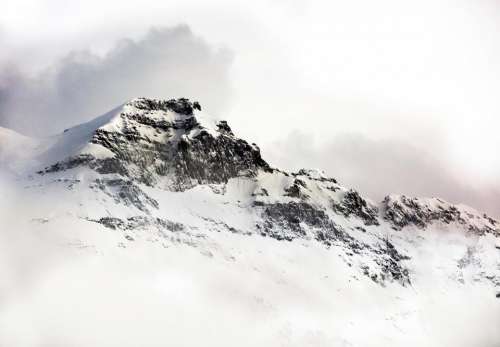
(149, 140)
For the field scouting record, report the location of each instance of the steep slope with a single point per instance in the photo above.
(151, 178)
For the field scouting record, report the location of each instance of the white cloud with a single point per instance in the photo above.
(381, 167)
(165, 63)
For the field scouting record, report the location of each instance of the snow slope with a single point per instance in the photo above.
(154, 224)
(15, 149)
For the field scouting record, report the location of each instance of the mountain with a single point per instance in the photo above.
(216, 231)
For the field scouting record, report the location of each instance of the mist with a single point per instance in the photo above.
(70, 285)
(387, 97)
(382, 167)
(168, 62)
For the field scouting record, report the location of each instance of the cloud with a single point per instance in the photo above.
(166, 63)
(381, 167)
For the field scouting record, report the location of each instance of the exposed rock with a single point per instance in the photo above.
(126, 192)
(288, 221)
(139, 222)
(391, 263)
(224, 127)
(297, 189)
(181, 106)
(208, 159)
(353, 204)
(402, 211)
(315, 175)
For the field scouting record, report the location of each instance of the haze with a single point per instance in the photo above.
(388, 96)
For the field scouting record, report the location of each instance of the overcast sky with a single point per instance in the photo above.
(388, 96)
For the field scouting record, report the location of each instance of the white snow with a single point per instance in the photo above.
(15, 150)
(66, 280)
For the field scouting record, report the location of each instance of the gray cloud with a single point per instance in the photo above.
(165, 63)
(380, 167)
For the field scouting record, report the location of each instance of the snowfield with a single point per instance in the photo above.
(155, 225)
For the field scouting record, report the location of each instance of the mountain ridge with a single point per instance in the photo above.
(187, 140)
(161, 200)
(136, 155)
(105, 142)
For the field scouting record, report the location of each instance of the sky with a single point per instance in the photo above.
(387, 96)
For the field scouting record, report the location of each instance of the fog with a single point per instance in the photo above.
(228, 290)
(421, 76)
(382, 167)
(386, 96)
(82, 85)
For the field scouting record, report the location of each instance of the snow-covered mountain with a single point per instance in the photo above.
(237, 252)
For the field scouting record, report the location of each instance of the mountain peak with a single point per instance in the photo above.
(153, 141)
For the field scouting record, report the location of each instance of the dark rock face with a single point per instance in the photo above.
(294, 219)
(287, 221)
(102, 166)
(391, 263)
(353, 204)
(209, 159)
(136, 222)
(297, 189)
(224, 128)
(127, 193)
(180, 106)
(408, 211)
(307, 173)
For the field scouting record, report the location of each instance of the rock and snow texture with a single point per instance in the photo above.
(170, 216)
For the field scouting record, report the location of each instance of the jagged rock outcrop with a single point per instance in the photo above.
(353, 204)
(402, 211)
(298, 189)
